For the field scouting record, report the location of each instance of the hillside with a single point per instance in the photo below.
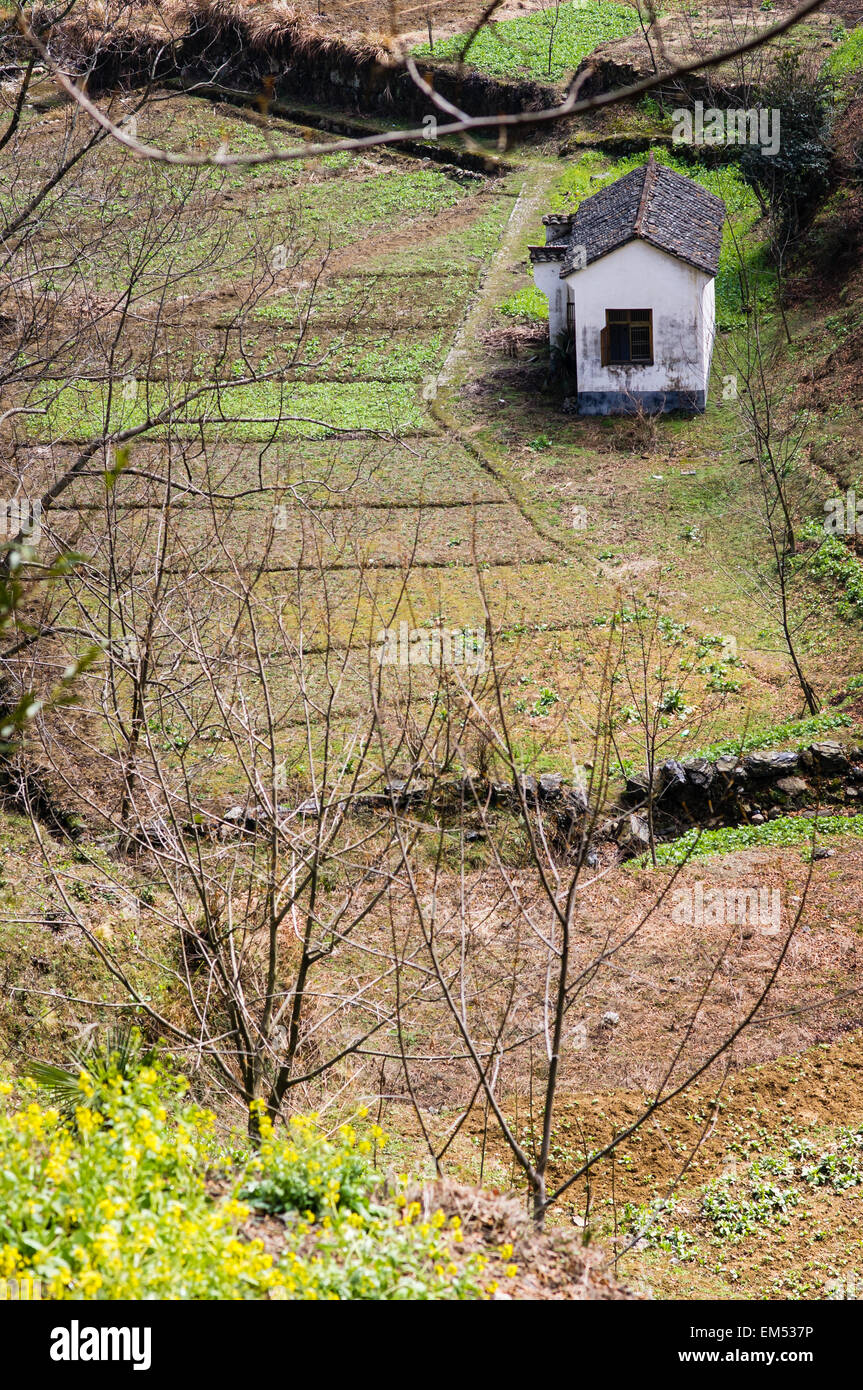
(561, 895)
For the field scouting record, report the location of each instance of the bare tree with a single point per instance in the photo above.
(775, 428)
(507, 997)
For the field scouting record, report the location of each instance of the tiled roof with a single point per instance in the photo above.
(557, 227)
(550, 252)
(654, 203)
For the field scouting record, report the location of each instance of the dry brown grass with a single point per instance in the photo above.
(96, 29)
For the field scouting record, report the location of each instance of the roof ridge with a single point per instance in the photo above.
(647, 190)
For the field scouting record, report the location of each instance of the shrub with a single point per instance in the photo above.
(120, 1054)
(794, 179)
(307, 1174)
(527, 303)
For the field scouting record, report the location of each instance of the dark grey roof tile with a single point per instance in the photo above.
(656, 204)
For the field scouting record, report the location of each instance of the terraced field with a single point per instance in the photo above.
(334, 387)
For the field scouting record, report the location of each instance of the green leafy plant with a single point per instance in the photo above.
(796, 733)
(549, 43)
(649, 1226)
(672, 701)
(546, 699)
(120, 1053)
(734, 1215)
(561, 366)
(785, 830)
(834, 562)
(839, 1168)
(847, 59)
(312, 1175)
(527, 303)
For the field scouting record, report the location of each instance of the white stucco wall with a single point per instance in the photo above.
(708, 321)
(639, 276)
(546, 277)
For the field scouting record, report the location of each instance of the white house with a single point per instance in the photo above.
(629, 280)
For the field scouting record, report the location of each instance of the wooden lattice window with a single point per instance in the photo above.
(627, 337)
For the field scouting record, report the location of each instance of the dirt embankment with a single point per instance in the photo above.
(277, 51)
(290, 53)
(553, 1264)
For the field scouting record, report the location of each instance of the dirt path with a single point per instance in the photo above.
(529, 206)
(460, 362)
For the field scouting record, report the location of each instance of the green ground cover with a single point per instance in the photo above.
(548, 44)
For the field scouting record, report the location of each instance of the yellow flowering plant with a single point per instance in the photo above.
(123, 1195)
(308, 1172)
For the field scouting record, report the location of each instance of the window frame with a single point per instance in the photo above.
(627, 319)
